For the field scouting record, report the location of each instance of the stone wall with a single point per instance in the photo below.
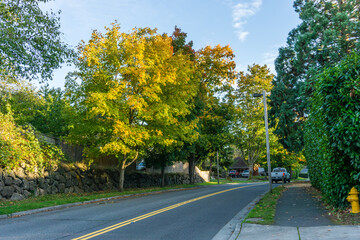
(19, 184)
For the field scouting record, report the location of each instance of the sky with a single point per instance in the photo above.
(254, 29)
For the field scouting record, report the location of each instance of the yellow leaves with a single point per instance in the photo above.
(217, 66)
(135, 90)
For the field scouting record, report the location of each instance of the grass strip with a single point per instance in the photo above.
(264, 210)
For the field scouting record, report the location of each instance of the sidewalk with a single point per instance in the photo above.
(299, 216)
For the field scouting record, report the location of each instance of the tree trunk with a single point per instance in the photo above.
(251, 170)
(192, 168)
(121, 175)
(291, 173)
(210, 170)
(121, 179)
(163, 176)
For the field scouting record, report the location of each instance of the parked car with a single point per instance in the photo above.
(232, 173)
(245, 174)
(278, 173)
(261, 172)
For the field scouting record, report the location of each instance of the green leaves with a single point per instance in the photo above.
(133, 92)
(249, 128)
(329, 32)
(30, 41)
(332, 139)
(18, 145)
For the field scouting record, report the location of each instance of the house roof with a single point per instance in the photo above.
(239, 164)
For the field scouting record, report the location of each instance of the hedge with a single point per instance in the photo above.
(332, 132)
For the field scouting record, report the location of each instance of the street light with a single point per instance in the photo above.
(267, 137)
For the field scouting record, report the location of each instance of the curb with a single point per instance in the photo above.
(246, 210)
(57, 207)
(232, 229)
(236, 232)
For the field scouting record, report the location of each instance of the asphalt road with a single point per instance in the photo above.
(188, 214)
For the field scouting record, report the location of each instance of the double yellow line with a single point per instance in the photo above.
(136, 219)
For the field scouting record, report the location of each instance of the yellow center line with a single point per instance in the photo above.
(136, 219)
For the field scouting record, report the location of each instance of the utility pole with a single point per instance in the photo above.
(267, 142)
(267, 136)
(217, 163)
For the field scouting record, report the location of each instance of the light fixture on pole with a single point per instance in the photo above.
(267, 136)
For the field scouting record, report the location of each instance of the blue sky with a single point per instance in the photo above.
(254, 29)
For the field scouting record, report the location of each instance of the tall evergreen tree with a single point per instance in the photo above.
(329, 31)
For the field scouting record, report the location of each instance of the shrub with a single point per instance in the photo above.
(19, 145)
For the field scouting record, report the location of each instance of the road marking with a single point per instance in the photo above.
(142, 217)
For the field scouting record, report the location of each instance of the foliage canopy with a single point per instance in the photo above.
(30, 41)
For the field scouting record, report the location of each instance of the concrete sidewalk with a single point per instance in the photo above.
(272, 232)
(298, 216)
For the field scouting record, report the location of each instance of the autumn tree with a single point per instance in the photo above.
(160, 156)
(216, 129)
(249, 130)
(215, 74)
(133, 92)
(30, 41)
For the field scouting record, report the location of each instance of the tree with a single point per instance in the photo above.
(160, 156)
(280, 157)
(53, 116)
(180, 45)
(215, 74)
(249, 130)
(216, 130)
(133, 93)
(30, 41)
(328, 32)
(21, 98)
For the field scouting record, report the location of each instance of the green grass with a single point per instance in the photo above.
(300, 179)
(266, 207)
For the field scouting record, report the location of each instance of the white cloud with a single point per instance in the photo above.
(240, 13)
(269, 60)
(242, 35)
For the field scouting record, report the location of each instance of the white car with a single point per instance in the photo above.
(278, 173)
(245, 174)
(261, 172)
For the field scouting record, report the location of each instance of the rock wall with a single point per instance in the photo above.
(19, 184)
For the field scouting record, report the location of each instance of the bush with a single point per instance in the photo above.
(19, 145)
(332, 139)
